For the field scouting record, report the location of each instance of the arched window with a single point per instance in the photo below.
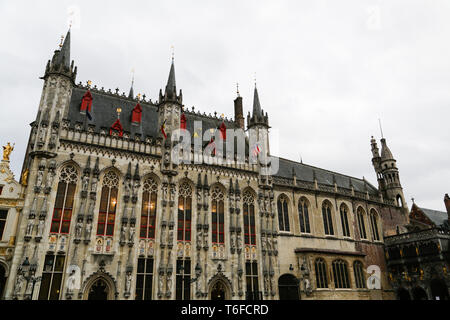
(148, 212)
(62, 212)
(108, 204)
(218, 216)
(249, 218)
(340, 274)
(374, 225)
(184, 212)
(344, 221)
(327, 220)
(321, 273)
(303, 216)
(359, 275)
(283, 213)
(362, 227)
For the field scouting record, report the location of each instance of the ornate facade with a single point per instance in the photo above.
(109, 213)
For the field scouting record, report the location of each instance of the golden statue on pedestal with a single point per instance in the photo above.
(7, 151)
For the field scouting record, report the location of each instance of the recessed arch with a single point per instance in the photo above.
(288, 287)
(95, 282)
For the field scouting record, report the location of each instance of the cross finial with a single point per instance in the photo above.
(412, 199)
(173, 52)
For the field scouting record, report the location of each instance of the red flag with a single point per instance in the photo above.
(162, 129)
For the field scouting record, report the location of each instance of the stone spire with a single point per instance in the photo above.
(386, 153)
(170, 93)
(61, 63)
(258, 117)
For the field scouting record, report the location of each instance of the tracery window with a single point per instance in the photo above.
(321, 273)
(340, 274)
(344, 221)
(359, 275)
(144, 279)
(374, 225)
(148, 211)
(303, 216)
(283, 213)
(108, 204)
(251, 277)
(249, 218)
(184, 212)
(183, 279)
(62, 212)
(51, 277)
(327, 219)
(217, 215)
(362, 228)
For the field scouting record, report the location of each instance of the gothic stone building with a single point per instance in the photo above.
(419, 260)
(108, 214)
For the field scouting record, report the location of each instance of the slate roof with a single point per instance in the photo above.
(304, 172)
(103, 113)
(437, 217)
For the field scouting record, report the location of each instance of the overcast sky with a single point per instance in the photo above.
(326, 72)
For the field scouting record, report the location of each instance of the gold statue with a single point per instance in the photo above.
(7, 151)
(25, 177)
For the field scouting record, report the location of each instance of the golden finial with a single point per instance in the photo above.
(222, 116)
(89, 82)
(119, 110)
(139, 97)
(61, 44)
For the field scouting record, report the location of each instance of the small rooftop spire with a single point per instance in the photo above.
(131, 94)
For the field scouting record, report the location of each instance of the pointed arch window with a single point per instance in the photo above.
(218, 216)
(148, 211)
(184, 212)
(359, 275)
(62, 212)
(327, 219)
(344, 221)
(340, 274)
(362, 228)
(303, 216)
(374, 225)
(283, 213)
(321, 273)
(108, 204)
(249, 218)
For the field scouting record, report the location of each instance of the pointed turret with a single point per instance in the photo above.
(170, 93)
(386, 153)
(61, 63)
(258, 117)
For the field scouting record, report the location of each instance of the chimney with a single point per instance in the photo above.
(447, 204)
(238, 112)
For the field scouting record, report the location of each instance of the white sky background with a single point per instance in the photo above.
(326, 71)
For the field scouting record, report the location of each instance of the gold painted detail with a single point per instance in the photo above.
(7, 151)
